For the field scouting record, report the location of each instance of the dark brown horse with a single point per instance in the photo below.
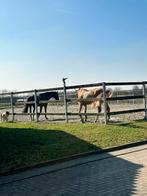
(40, 97)
(93, 97)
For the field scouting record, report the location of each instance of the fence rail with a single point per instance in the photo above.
(65, 99)
(125, 97)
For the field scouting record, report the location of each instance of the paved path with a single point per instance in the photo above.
(120, 173)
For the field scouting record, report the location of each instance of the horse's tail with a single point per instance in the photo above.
(25, 110)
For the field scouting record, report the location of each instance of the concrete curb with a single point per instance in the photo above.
(55, 161)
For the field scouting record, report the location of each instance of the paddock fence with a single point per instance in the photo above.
(125, 102)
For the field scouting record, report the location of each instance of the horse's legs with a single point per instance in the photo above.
(45, 110)
(33, 110)
(40, 110)
(32, 115)
(99, 110)
(108, 110)
(85, 112)
(30, 112)
(80, 108)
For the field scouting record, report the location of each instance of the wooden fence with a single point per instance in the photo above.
(64, 92)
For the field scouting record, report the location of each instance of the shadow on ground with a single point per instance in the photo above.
(24, 147)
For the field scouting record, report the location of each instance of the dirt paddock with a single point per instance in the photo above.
(74, 108)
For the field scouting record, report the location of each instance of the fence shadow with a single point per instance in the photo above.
(131, 124)
(23, 147)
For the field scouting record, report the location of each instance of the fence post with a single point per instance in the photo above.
(12, 107)
(144, 100)
(65, 99)
(36, 108)
(105, 103)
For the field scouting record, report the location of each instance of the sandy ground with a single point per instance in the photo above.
(73, 108)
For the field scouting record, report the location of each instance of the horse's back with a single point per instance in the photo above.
(92, 96)
(80, 92)
(49, 95)
(85, 96)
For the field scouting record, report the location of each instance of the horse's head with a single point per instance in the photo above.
(56, 96)
(109, 93)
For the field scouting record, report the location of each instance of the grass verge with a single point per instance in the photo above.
(26, 144)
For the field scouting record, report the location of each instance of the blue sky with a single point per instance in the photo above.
(88, 41)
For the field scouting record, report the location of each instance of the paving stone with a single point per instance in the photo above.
(124, 173)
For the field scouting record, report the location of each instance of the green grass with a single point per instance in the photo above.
(25, 144)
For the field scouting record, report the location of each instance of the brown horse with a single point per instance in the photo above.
(93, 97)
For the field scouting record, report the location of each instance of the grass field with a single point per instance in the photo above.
(26, 144)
